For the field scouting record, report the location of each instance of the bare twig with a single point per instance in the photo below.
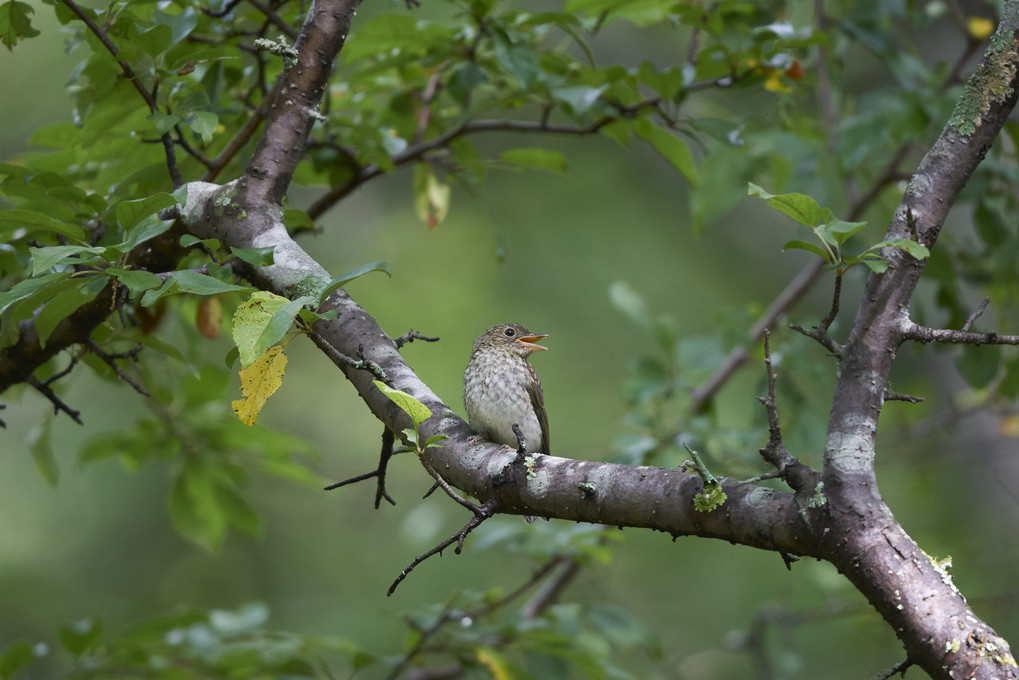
(892, 395)
(797, 475)
(820, 331)
(58, 403)
(427, 96)
(976, 314)
(110, 359)
(417, 151)
(552, 590)
(342, 359)
(925, 335)
(379, 473)
(411, 336)
(483, 512)
(227, 8)
(897, 669)
(275, 19)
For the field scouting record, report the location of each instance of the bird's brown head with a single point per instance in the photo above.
(511, 337)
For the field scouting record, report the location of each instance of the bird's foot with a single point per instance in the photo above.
(521, 446)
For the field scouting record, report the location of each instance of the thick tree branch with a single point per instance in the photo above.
(910, 590)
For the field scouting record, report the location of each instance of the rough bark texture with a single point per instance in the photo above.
(909, 588)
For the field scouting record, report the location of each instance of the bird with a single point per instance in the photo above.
(501, 389)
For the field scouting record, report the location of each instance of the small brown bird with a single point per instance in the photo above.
(501, 389)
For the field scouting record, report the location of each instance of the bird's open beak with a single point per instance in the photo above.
(528, 341)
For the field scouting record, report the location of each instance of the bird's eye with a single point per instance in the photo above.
(509, 332)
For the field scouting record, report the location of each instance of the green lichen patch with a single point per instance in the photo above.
(990, 84)
(711, 497)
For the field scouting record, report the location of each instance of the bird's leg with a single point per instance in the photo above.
(521, 447)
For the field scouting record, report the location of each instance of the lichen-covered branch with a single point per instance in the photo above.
(910, 590)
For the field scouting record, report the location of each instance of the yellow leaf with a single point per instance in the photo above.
(774, 83)
(979, 27)
(1009, 426)
(431, 200)
(494, 662)
(258, 382)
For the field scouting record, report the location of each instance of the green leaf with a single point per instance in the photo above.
(627, 300)
(26, 288)
(149, 228)
(236, 511)
(163, 122)
(840, 230)
(672, 148)
(354, 273)
(137, 280)
(180, 25)
(389, 32)
(78, 292)
(16, 657)
(809, 247)
(205, 124)
(541, 159)
(194, 510)
(878, 266)
(667, 82)
(518, 59)
(417, 411)
(45, 258)
(259, 257)
(297, 221)
(979, 365)
(13, 220)
(311, 316)
(800, 207)
(579, 99)
(191, 282)
(78, 637)
(40, 444)
(188, 240)
(912, 247)
(261, 322)
(130, 213)
(15, 23)
(152, 41)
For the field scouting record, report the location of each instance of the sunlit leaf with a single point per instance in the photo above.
(258, 382)
(417, 411)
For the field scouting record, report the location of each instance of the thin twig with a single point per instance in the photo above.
(242, 137)
(411, 336)
(484, 512)
(797, 475)
(58, 403)
(276, 20)
(379, 472)
(976, 314)
(417, 151)
(820, 331)
(897, 669)
(341, 359)
(110, 359)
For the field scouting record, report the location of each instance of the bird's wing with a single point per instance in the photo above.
(538, 403)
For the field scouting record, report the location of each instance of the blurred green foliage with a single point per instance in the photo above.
(642, 260)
